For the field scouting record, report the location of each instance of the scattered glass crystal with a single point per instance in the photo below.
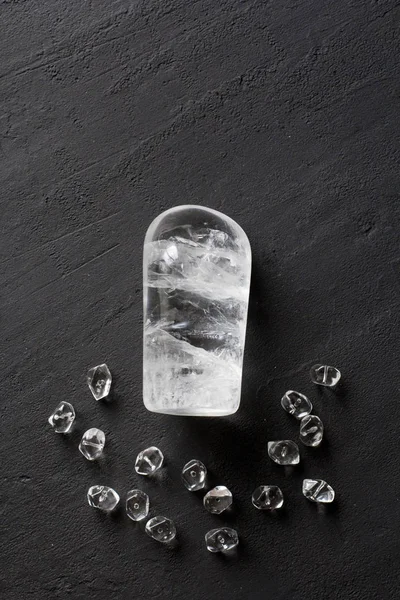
(267, 497)
(311, 430)
(217, 500)
(222, 539)
(149, 461)
(62, 418)
(103, 497)
(137, 505)
(296, 404)
(194, 475)
(99, 381)
(284, 452)
(161, 529)
(317, 490)
(92, 443)
(325, 375)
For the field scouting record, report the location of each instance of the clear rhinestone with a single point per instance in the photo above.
(137, 505)
(325, 375)
(103, 497)
(296, 404)
(99, 381)
(62, 418)
(317, 490)
(222, 539)
(267, 497)
(161, 529)
(311, 430)
(284, 452)
(194, 475)
(92, 443)
(217, 500)
(149, 461)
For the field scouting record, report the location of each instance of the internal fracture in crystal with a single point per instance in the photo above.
(317, 490)
(217, 500)
(103, 497)
(284, 452)
(62, 418)
(92, 443)
(311, 430)
(221, 539)
(161, 529)
(99, 381)
(267, 497)
(296, 404)
(194, 475)
(137, 505)
(149, 461)
(325, 375)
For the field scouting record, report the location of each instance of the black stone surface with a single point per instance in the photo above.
(284, 115)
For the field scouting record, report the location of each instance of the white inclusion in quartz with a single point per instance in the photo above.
(196, 280)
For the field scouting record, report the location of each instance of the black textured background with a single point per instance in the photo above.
(284, 115)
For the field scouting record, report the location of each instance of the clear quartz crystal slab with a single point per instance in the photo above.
(196, 281)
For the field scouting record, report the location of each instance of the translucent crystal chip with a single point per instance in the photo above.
(284, 452)
(149, 461)
(222, 539)
(325, 375)
(137, 505)
(161, 529)
(317, 490)
(99, 381)
(103, 497)
(92, 443)
(217, 500)
(296, 404)
(311, 430)
(194, 475)
(62, 418)
(267, 497)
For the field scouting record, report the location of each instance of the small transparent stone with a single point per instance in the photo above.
(62, 418)
(99, 381)
(296, 404)
(325, 375)
(149, 461)
(284, 452)
(161, 529)
(137, 505)
(311, 430)
(103, 497)
(267, 497)
(222, 539)
(194, 475)
(217, 500)
(92, 443)
(317, 490)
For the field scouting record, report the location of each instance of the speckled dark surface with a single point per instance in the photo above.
(284, 115)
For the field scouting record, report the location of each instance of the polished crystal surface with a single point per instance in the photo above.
(325, 375)
(196, 280)
(217, 500)
(311, 430)
(99, 381)
(92, 443)
(267, 497)
(62, 418)
(149, 461)
(296, 404)
(161, 529)
(317, 490)
(137, 505)
(103, 497)
(221, 539)
(284, 452)
(194, 475)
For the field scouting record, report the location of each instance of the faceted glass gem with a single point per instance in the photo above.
(137, 505)
(217, 500)
(99, 381)
(267, 497)
(311, 430)
(296, 404)
(317, 490)
(222, 539)
(103, 497)
(62, 418)
(161, 529)
(194, 475)
(325, 375)
(284, 452)
(149, 461)
(92, 443)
